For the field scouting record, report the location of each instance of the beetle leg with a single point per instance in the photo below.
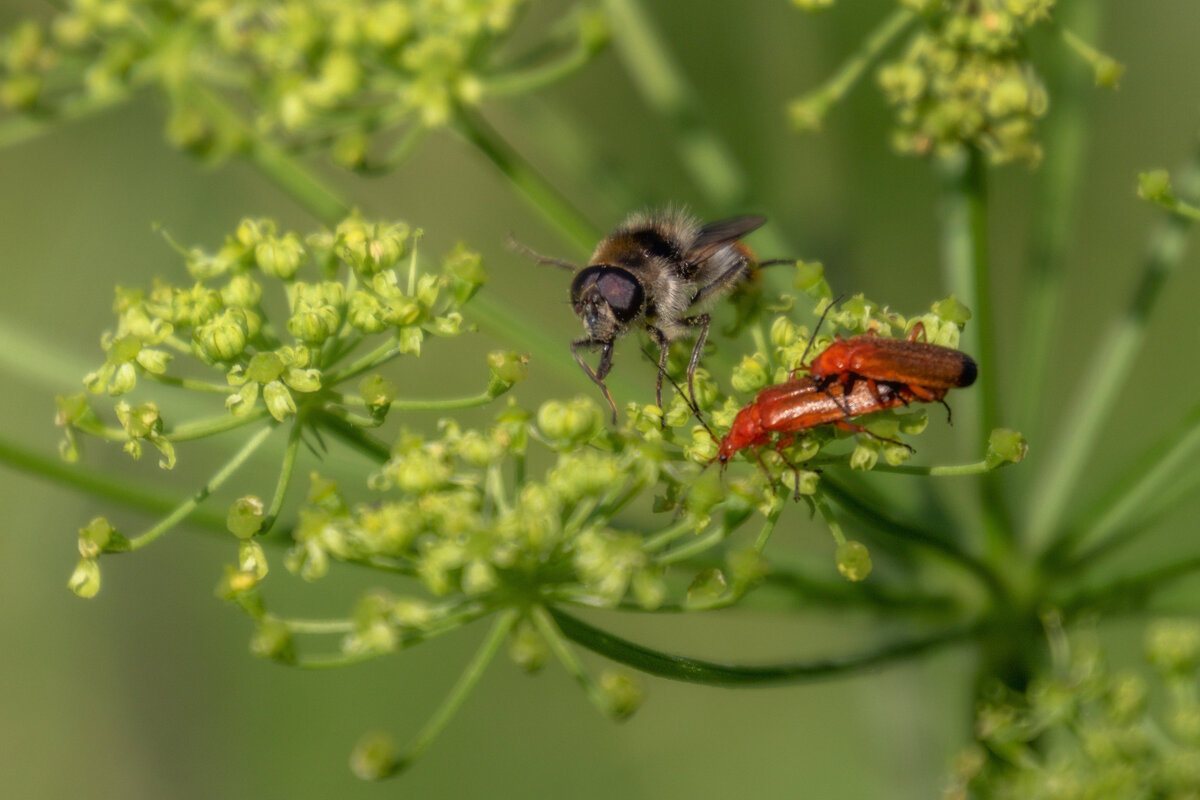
(851, 427)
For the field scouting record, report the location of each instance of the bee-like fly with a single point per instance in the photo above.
(663, 269)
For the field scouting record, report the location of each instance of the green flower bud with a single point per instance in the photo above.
(279, 400)
(243, 401)
(1174, 646)
(648, 588)
(252, 559)
(98, 536)
(1126, 699)
(707, 588)
(124, 378)
(526, 647)
(85, 580)
(264, 367)
(273, 640)
(952, 310)
(1108, 72)
(465, 267)
(280, 257)
(376, 756)
(569, 423)
(784, 332)
(139, 421)
(809, 278)
(624, 694)
(1155, 186)
(371, 247)
(479, 577)
(865, 456)
(853, 560)
(303, 380)
(507, 367)
(751, 374)
(316, 310)
(366, 312)
(445, 325)
(419, 471)
(245, 516)
(1005, 446)
(224, 338)
(153, 361)
(377, 391)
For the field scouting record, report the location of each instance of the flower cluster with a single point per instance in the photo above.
(964, 78)
(317, 72)
(1088, 731)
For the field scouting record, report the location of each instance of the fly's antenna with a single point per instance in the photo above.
(537, 257)
(813, 338)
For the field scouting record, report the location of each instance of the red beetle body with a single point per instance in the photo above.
(802, 404)
(924, 370)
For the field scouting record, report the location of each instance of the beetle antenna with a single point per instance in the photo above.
(537, 257)
(813, 338)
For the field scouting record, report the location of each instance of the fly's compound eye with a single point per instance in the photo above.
(617, 287)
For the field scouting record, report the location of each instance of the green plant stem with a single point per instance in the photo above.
(286, 467)
(1096, 392)
(318, 626)
(965, 256)
(466, 682)
(906, 534)
(187, 506)
(353, 435)
(98, 485)
(545, 623)
(20, 129)
(646, 55)
(947, 471)
(1066, 147)
(1131, 591)
(192, 385)
(203, 428)
(276, 163)
(1131, 495)
(543, 197)
(692, 670)
(525, 80)
(853, 68)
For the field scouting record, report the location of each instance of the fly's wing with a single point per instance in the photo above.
(715, 235)
(720, 263)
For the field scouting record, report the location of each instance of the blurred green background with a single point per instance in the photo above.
(148, 691)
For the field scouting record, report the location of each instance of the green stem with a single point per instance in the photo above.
(192, 385)
(965, 256)
(221, 423)
(96, 484)
(545, 623)
(466, 682)
(1133, 591)
(948, 471)
(276, 163)
(188, 506)
(809, 110)
(905, 533)
(353, 436)
(1095, 394)
(646, 55)
(529, 79)
(692, 670)
(285, 478)
(1129, 497)
(318, 626)
(1066, 145)
(20, 129)
(543, 197)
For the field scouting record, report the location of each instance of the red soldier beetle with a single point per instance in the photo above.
(802, 404)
